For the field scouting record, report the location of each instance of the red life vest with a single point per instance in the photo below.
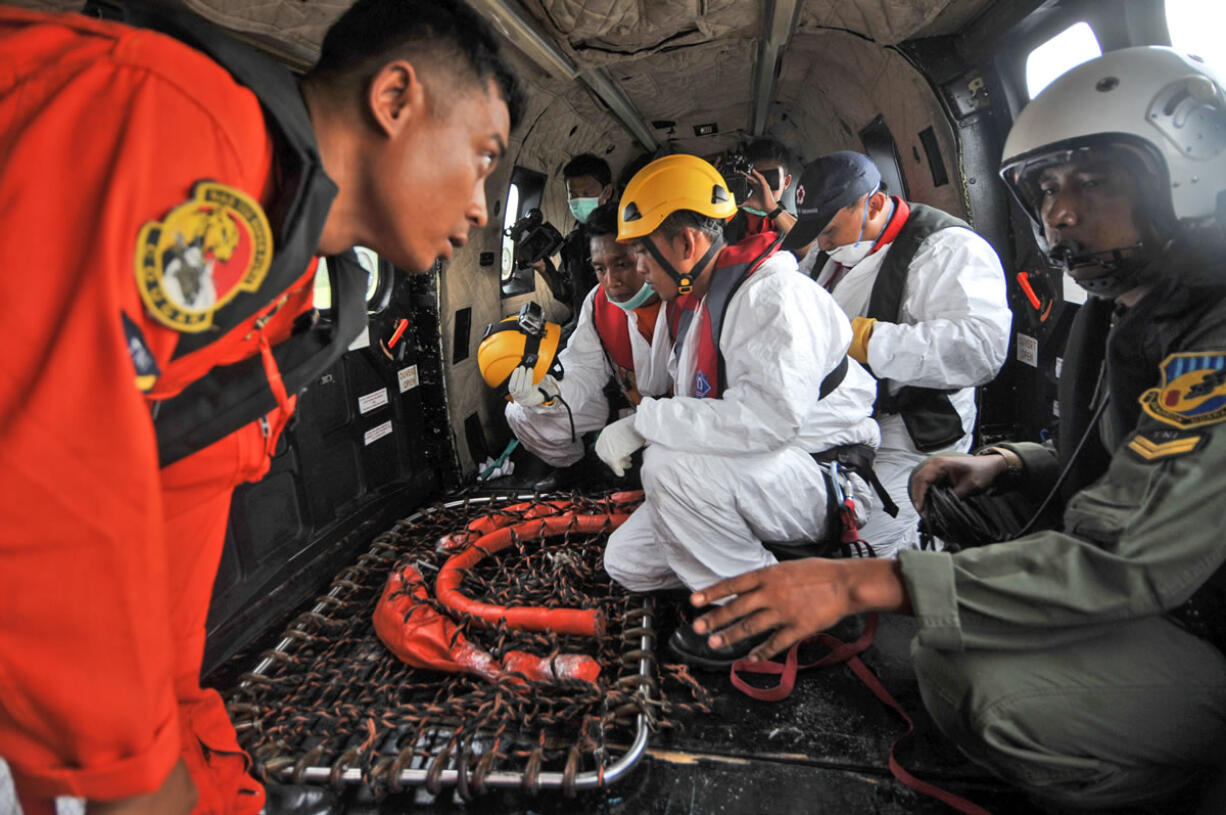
(733, 266)
(613, 331)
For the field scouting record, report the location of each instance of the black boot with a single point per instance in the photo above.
(692, 649)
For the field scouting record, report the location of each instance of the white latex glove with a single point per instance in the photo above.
(617, 442)
(523, 392)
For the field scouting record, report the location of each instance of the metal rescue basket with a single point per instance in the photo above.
(331, 704)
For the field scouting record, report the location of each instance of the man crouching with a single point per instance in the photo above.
(764, 391)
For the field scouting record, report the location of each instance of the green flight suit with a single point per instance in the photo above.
(1054, 660)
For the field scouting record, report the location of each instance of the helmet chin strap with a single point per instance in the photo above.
(1123, 269)
(685, 283)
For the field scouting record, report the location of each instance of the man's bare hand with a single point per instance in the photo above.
(797, 598)
(761, 196)
(966, 474)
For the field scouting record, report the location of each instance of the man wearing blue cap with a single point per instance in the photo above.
(926, 297)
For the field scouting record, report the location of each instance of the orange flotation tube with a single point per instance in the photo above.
(422, 637)
(584, 622)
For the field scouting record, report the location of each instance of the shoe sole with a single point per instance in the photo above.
(700, 661)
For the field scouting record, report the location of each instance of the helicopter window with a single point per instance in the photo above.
(525, 193)
(510, 216)
(378, 281)
(1071, 47)
(1197, 27)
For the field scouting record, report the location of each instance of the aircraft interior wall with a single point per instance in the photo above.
(833, 84)
(559, 121)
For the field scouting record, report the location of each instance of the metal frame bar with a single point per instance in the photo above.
(519, 27)
(502, 779)
(778, 23)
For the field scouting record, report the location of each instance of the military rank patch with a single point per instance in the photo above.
(1163, 443)
(1192, 393)
(201, 255)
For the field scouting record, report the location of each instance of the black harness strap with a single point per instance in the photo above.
(858, 459)
(725, 282)
(833, 379)
(231, 396)
(929, 416)
(532, 342)
(818, 265)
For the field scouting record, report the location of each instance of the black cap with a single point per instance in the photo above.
(828, 184)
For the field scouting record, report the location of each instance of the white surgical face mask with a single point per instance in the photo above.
(852, 253)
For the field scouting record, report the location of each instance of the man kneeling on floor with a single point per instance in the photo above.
(620, 340)
(763, 389)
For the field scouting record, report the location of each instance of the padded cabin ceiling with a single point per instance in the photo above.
(686, 61)
(692, 61)
(598, 31)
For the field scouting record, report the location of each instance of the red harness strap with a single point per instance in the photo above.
(849, 653)
(846, 652)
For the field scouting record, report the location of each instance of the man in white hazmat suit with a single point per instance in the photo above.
(621, 335)
(762, 383)
(929, 313)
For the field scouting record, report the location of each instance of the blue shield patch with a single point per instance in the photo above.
(1192, 393)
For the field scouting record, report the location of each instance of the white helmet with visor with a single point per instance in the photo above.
(1159, 114)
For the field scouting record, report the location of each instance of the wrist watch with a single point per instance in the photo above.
(774, 213)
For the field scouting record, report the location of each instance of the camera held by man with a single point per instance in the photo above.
(757, 176)
(535, 238)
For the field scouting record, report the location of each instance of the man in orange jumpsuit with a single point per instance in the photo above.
(135, 177)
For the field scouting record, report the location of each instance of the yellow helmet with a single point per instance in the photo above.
(669, 184)
(525, 339)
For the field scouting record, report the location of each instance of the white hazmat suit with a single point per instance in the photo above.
(952, 333)
(722, 475)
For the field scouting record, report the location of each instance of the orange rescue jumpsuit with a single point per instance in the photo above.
(107, 561)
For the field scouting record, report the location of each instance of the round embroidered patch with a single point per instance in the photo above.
(1192, 392)
(201, 255)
